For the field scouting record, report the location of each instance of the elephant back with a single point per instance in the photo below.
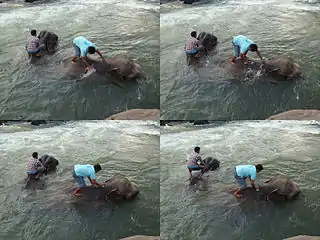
(208, 40)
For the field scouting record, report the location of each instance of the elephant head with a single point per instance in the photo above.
(50, 163)
(208, 41)
(211, 164)
(281, 66)
(48, 41)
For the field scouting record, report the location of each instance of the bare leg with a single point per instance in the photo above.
(190, 173)
(74, 59)
(236, 193)
(76, 192)
(233, 60)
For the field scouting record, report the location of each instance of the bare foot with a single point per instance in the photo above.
(237, 196)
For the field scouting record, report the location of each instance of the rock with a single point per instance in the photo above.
(38, 122)
(200, 122)
(297, 114)
(303, 237)
(137, 114)
(141, 237)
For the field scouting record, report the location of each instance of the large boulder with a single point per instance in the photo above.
(303, 237)
(297, 114)
(136, 114)
(141, 237)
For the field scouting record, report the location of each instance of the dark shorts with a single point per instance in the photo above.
(34, 52)
(80, 180)
(77, 49)
(34, 172)
(195, 168)
(236, 50)
(241, 181)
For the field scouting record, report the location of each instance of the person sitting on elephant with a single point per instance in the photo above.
(195, 162)
(79, 172)
(193, 46)
(34, 167)
(242, 172)
(32, 45)
(242, 45)
(82, 47)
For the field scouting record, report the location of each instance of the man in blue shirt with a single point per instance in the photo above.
(82, 47)
(242, 172)
(81, 171)
(241, 46)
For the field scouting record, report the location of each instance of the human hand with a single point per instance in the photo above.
(246, 62)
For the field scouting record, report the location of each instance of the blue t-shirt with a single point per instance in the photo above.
(83, 44)
(243, 42)
(246, 171)
(85, 171)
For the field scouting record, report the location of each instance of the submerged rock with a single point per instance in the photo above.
(137, 114)
(297, 114)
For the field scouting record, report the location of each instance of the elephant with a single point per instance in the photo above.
(303, 237)
(277, 189)
(208, 43)
(209, 164)
(50, 163)
(119, 65)
(280, 68)
(116, 189)
(48, 42)
(136, 114)
(297, 114)
(141, 237)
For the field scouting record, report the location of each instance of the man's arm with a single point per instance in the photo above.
(94, 182)
(259, 55)
(100, 54)
(84, 59)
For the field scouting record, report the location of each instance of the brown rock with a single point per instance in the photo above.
(303, 237)
(137, 114)
(141, 237)
(297, 114)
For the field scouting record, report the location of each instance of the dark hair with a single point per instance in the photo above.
(35, 155)
(259, 167)
(97, 167)
(253, 47)
(194, 34)
(33, 32)
(197, 149)
(91, 50)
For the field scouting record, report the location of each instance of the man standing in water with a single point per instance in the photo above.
(82, 47)
(34, 167)
(32, 45)
(242, 172)
(195, 162)
(242, 45)
(79, 172)
(192, 46)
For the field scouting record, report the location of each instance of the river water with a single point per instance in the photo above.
(287, 147)
(43, 92)
(130, 148)
(278, 27)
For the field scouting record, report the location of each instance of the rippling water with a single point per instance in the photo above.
(43, 92)
(287, 147)
(278, 27)
(130, 148)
